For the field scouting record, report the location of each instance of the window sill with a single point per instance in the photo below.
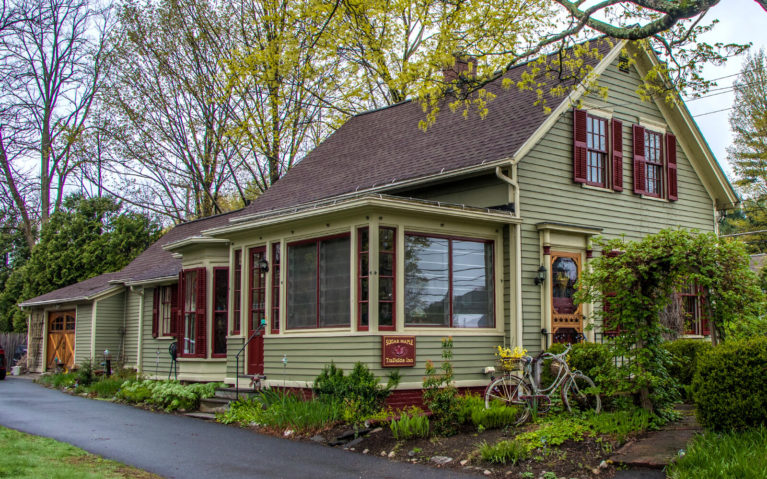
(198, 360)
(654, 198)
(598, 188)
(165, 338)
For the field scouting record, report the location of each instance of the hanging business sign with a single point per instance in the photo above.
(397, 351)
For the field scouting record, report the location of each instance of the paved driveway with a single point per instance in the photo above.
(181, 447)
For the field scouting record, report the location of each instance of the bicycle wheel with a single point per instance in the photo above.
(507, 390)
(580, 394)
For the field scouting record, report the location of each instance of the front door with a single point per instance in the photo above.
(61, 339)
(257, 311)
(566, 317)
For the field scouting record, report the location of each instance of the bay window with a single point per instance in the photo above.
(318, 289)
(449, 282)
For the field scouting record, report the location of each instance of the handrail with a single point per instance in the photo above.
(237, 358)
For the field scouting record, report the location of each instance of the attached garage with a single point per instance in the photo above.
(75, 324)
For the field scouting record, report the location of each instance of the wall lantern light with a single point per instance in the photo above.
(263, 265)
(540, 277)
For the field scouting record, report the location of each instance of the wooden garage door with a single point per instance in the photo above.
(61, 339)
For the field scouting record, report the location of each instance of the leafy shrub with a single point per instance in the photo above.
(59, 380)
(622, 423)
(361, 390)
(472, 409)
(244, 412)
(554, 432)
(596, 361)
(730, 385)
(135, 391)
(169, 395)
(411, 424)
(441, 395)
(730, 455)
(286, 410)
(85, 375)
(496, 417)
(504, 452)
(684, 359)
(106, 387)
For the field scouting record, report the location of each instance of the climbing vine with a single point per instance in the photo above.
(635, 281)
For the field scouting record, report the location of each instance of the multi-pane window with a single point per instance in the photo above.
(220, 310)
(653, 143)
(448, 282)
(237, 291)
(386, 277)
(363, 278)
(190, 312)
(596, 143)
(691, 304)
(318, 286)
(276, 263)
(165, 313)
(257, 303)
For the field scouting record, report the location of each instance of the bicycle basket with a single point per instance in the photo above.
(511, 364)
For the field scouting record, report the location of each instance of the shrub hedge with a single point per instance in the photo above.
(684, 360)
(730, 385)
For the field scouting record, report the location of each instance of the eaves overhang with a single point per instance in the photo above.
(385, 202)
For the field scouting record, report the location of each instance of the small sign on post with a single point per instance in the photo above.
(397, 351)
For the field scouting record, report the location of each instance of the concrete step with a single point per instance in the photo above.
(205, 416)
(214, 405)
(231, 393)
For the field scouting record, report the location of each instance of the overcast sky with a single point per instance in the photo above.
(741, 21)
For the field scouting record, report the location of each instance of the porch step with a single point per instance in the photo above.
(205, 416)
(231, 393)
(214, 405)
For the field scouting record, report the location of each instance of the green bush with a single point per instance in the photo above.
(504, 452)
(411, 424)
(596, 361)
(684, 359)
(724, 456)
(730, 385)
(286, 410)
(243, 412)
(440, 393)
(169, 395)
(472, 409)
(106, 387)
(361, 390)
(85, 375)
(59, 380)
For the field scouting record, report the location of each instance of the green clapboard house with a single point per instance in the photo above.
(386, 239)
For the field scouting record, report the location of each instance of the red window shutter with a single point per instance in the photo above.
(177, 323)
(617, 150)
(156, 311)
(174, 314)
(580, 147)
(202, 324)
(639, 160)
(673, 194)
(705, 328)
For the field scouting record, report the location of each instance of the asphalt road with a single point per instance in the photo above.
(182, 447)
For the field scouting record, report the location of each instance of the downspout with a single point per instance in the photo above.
(139, 356)
(513, 181)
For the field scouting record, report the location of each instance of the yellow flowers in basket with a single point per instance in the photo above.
(510, 359)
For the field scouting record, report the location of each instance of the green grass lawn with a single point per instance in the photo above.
(734, 455)
(26, 456)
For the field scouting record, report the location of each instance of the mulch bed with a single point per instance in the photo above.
(572, 459)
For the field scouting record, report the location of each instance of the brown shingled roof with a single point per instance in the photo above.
(372, 149)
(75, 292)
(382, 146)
